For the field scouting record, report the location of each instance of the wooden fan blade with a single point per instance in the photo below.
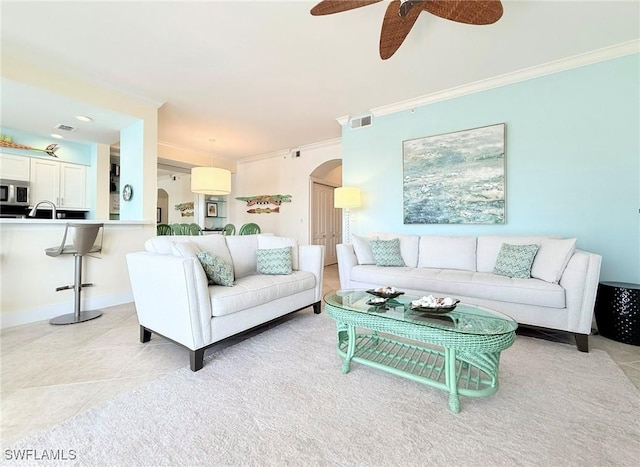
(469, 12)
(328, 7)
(395, 28)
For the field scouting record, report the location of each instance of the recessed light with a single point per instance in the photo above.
(56, 135)
(82, 118)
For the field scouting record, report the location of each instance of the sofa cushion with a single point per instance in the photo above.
(447, 252)
(266, 242)
(185, 249)
(408, 246)
(552, 258)
(387, 252)
(256, 289)
(218, 271)
(457, 284)
(550, 261)
(164, 244)
(243, 251)
(274, 261)
(515, 260)
(362, 249)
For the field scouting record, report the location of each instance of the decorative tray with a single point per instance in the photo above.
(384, 295)
(435, 309)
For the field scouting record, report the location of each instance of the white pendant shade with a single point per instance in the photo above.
(210, 181)
(347, 197)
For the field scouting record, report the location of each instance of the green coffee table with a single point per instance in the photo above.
(458, 351)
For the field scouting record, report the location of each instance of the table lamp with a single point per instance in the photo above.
(347, 197)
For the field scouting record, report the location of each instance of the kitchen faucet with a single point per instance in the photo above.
(54, 213)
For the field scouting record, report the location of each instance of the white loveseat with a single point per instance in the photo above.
(560, 295)
(173, 297)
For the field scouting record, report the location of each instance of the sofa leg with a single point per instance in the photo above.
(582, 342)
(196, 358)
(317, 308)
(145, 334)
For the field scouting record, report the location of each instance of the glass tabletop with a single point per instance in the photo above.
(466, 319)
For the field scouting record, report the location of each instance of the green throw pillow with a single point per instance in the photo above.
(274, 261)
(387, 252)
(515, 260)
(218, 271)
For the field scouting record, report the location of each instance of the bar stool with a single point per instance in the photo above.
(83, 242)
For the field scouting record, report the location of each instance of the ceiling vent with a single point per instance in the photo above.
(63, 127)
(360, 122)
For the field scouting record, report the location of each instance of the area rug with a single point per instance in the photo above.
(279, 398)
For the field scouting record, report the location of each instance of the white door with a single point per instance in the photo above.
(326, 222)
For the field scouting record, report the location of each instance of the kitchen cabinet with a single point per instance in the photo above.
(14, 167)
(61, 182)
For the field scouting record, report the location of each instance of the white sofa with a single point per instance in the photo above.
(560, 295)
(173, 297)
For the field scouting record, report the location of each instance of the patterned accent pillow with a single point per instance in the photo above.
(218, 271)
(515, 260)
(387, 252)
(274, 261)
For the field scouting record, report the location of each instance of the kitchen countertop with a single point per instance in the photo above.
(32, 221)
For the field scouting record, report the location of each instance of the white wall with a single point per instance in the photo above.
(29, 277)
(285, 175)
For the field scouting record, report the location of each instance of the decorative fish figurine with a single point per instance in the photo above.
(265, 199)
(50, 150)
(263, 210)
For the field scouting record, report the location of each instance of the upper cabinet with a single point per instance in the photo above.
(14, 167)
(62, 183)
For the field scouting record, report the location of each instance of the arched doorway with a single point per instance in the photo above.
(326, 221)
(163, 206)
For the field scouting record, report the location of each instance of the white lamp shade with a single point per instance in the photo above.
(347, 197)
(210, 181)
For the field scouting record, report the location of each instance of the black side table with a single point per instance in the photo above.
(617, 311)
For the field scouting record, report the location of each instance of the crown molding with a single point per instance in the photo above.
(557, 66)
(284, 153)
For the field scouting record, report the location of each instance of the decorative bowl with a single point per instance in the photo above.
(435, 309)
(384, 295)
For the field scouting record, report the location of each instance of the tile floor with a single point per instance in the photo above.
(50, 373)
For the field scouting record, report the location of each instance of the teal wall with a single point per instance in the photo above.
(572, 160)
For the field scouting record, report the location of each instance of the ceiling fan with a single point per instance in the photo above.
(402, 14)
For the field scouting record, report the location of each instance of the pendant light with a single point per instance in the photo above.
(210, 180)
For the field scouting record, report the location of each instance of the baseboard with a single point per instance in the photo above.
(17, 318)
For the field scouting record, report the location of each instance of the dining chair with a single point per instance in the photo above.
(249, 229)
(163, 229)
(180, 229)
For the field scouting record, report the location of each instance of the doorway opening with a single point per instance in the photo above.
(326, 221)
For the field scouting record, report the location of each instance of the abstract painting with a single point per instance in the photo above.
(455, 178)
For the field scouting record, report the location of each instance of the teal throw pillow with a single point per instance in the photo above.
(515, 260)
(274, 261)
(387, 252)
(218, 271)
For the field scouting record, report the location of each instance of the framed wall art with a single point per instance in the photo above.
(455, 178)
(212, 209)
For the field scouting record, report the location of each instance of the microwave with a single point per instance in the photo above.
(14, 193)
